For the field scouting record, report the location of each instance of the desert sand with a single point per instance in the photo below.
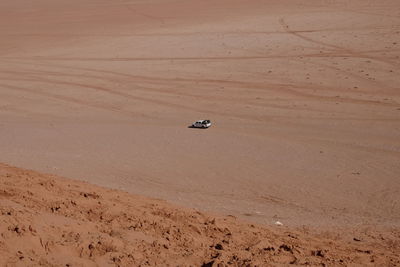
(304, 96)
(52, 221)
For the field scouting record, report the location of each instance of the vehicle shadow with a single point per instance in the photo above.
(197, 128)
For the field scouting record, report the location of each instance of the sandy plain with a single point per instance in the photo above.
(303, 95)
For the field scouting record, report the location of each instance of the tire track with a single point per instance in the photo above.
(281, 88)
(335, 48)
(73, 100)
(112, 108)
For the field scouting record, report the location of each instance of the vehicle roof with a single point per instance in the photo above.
(202, 120)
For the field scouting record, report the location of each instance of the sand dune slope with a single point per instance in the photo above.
(51, 221)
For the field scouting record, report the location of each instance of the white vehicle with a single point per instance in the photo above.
(201, 124)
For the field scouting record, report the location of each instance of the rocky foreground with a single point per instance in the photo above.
(47, 220)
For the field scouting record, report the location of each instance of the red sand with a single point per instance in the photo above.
(51, 221)
(304, 98)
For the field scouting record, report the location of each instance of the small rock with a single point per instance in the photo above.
(219, 247)
(278, 223)
(269, 249)
(285, 247)
(208, 264)
(364, 251)
(318, 253)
